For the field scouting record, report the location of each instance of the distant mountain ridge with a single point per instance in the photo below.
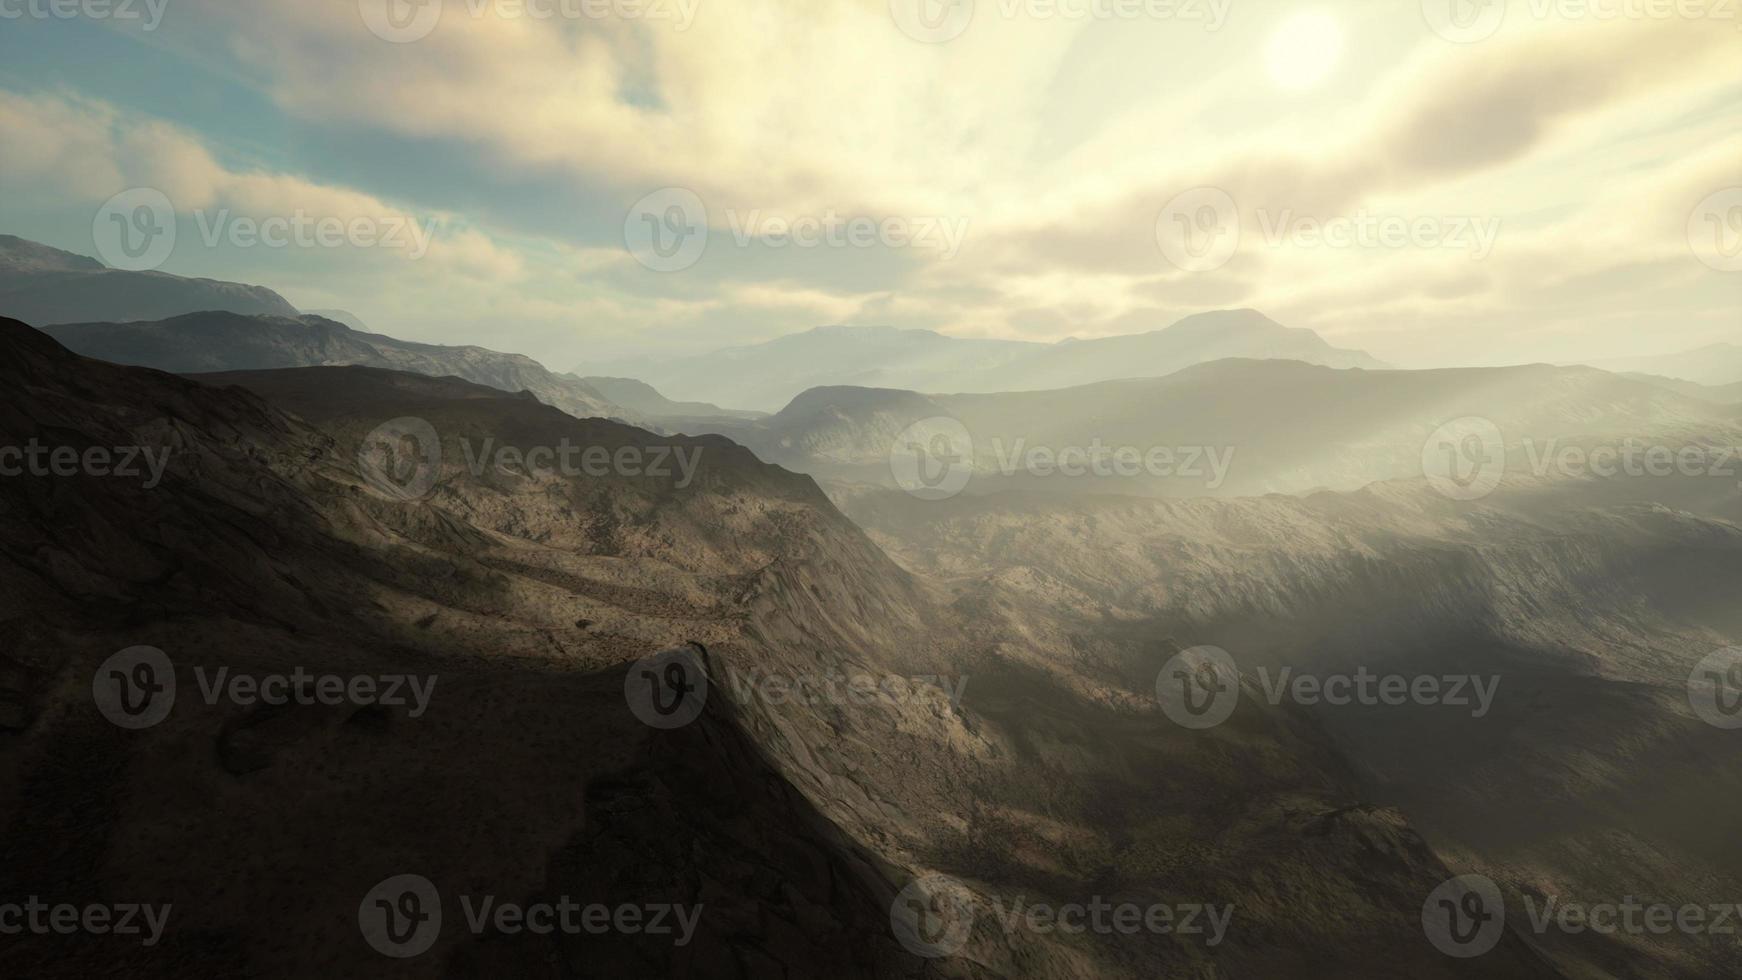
(40, 284)
(1729, 394)
(1713, 365)
(643, 398)
(768, 375)
(1285, 427)
(220, 341)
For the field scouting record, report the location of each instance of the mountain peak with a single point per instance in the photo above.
(869, 330)
(43, 285)
(23, 255)
(1244, 319)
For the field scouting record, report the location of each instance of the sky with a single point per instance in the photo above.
(1443, 182)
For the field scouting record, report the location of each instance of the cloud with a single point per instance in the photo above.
(1582, 142)
(82, 150)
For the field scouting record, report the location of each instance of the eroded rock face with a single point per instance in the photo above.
(45, 285)
(1008, 738)
(250, 340)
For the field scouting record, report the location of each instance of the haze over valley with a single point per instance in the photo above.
(870, 490)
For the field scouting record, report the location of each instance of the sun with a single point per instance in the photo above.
(1304, 51)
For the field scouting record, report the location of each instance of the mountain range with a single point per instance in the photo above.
(222, 341)
(801, 825)
(1714, 364)
(766, 376)
(1016, 632)
(1249, 426)
(40, 284)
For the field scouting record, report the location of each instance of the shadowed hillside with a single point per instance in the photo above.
(39, 284)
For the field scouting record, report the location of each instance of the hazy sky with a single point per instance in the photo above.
(1443, 182)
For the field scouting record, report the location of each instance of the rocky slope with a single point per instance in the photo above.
(1590, 778)
(285, 534)
(768, 375)
(1729, 394)
(1235, 427)
(39, 284)
(218, 341)
(645, 400)
(1713, 364)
